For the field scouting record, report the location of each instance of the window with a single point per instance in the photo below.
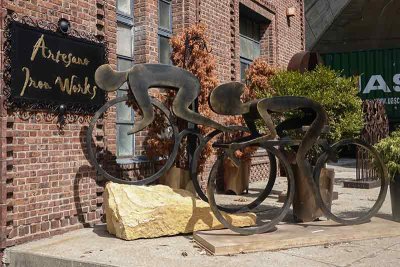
(124, 6)
(164, 31)
(250, 36)
(125, 11)
(125, 115)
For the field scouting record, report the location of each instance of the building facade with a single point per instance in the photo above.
(47, 185)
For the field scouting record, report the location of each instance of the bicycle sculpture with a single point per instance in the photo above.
(225, 100)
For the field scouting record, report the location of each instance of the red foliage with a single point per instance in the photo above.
(190, 52)
(257, 77)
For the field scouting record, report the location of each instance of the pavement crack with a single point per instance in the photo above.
(310, 259)
(389, 248)
(374, 254)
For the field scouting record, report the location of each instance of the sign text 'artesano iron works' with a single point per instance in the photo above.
(51, 68)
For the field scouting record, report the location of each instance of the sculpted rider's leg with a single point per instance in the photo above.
(138, 82)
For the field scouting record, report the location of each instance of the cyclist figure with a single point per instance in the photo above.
(142, 77)
(225, 100)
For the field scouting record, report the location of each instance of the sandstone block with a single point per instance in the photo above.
(135, 212)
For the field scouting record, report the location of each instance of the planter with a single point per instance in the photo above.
(395, 197)
(236, 179)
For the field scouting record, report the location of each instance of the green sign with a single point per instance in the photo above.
(379, 73)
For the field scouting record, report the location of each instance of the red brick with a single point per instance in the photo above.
(55, 224)
(73, 220)
(64, 222)
(45, 226)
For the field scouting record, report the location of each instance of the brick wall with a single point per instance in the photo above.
(290, 32)
(47, 185)
(146, 31)
(281, 39)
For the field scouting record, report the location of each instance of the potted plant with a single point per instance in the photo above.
(389, 148)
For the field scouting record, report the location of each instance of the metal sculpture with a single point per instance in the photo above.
(225, 100)
(376, 127)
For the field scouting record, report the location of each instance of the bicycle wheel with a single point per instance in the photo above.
(135, 175)
(355, 164)
(270, 159)
(266, 224)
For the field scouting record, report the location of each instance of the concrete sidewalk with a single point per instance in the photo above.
(92, 247)
(95, 247)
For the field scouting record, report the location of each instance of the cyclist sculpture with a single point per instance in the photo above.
(142, 77)
(225, 100)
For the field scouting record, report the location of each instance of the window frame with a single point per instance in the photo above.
(253, 24)
(163, 32)
(126, 20)
(243, 59)
(246, 62)
(132, 44)
(253, 41)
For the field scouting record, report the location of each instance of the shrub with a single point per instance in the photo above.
(389, 148)
(336, 94)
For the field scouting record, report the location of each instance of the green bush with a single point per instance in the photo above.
(336, 94)
(389, 148)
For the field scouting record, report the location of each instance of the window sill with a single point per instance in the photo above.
(135, 160)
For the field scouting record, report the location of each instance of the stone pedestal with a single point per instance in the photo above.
(134, 212)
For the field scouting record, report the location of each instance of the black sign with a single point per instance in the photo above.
(49, 69)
